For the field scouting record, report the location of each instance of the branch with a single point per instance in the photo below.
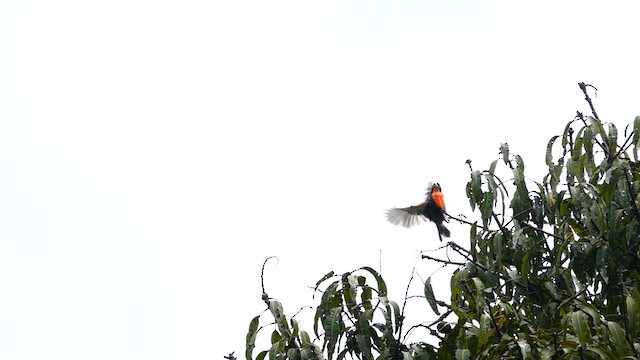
(626, 145)
(265, 297)
(432, 332)
(542, 231)
(493, 320)
(583, 87)
(522, 223)
(406, 295)
(503, 230)
(448, 262)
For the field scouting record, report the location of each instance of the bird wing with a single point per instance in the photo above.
(406, 217)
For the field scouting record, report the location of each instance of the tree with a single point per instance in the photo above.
(552, 269)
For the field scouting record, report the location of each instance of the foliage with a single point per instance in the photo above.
(552, 270)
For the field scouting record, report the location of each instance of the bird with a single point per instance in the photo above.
(433, 209)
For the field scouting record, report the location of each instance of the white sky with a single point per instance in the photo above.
(153, 154)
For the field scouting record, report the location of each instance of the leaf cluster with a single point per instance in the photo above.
(551, 271)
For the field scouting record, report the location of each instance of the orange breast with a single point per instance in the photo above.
(438, 198)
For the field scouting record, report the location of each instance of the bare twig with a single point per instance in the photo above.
(493, 320)
(626, 145)
(584, 87)
(448, 262)
(265, 297)
(542, 231)
(429, 327)
(406, 295)
(503, 229)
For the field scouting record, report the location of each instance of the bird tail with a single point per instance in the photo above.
(442, 230)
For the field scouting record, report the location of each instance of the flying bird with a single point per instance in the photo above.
(432, 208)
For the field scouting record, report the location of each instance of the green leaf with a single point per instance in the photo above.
(396, 313)
(633, 316)
(588, 145)
(275, 337)
(613, 138)
(428, 293)
(486, 209)
(577, 147)
(305, 339)
(519, 170)
(567, 134)
(463, 354)
(580, 325)
(525, 349)
(524, 267)
(276, 351)
(497, 249)
(281, 321)
(325, 305)
(349, 284)
(325, 277)
(636, 137)
(478, 283)
(636, 130)
(492, 167)
(334, 327)
(600, 352)
(366, 297)
(597, 128)
(364, 345)
(262, 355)
(595, 316)
(295, 327)
(484, 330)
(549, 157)
(476, 187)
(617, 336)
(293, 353)
(504, 150)
(251, 337)
(470, 196)
(382, 286)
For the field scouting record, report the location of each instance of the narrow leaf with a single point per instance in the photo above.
(633, 316)
(428, 293)
(275, 337)
(617, 335)
(525, 349)
(636, 130)
(581, 327)
(382, 286)
(251, 337)
(463, 354)
(325, 277)
(504, 150)
(476, 183)
(305, 339)
(613, 137)
(549, 157)
(486, 209)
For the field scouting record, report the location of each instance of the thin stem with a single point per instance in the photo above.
(448, 262)
(265, 297)
(406, 295)
(583, 87)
